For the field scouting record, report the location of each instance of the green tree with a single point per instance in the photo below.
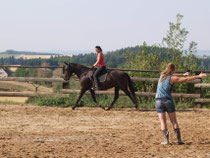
(176, 35)
(175, 41)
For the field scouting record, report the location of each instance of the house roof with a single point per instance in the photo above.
(6, 70)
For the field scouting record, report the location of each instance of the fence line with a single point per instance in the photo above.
(30, 94)
(141, 94)
(37, 79)
(197, 84)
(33, 79)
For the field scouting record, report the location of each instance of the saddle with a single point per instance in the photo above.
(102, 77)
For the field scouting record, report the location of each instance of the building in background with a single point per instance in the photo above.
(5, 72)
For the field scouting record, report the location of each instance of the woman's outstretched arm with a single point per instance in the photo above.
(176, 79)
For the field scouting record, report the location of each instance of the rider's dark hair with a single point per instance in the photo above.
(98, 47)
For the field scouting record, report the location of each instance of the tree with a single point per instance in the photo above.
(175, 41)
(176, 35)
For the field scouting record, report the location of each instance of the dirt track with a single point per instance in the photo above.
(30, 131)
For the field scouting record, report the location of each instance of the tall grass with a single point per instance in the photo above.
(104, 100)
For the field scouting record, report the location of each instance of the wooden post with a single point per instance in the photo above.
(198, 91)
(65, 85)
(36, 89)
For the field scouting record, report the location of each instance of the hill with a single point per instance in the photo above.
(28, 54)
(14, 52)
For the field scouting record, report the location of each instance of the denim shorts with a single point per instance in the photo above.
(164, 105)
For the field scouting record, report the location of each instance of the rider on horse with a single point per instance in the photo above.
(101, 67)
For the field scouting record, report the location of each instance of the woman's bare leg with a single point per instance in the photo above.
(176, 127)
(173, 119)
(162, 118)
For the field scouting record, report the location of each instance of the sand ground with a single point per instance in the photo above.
(32, 131)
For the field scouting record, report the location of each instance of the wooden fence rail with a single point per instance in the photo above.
(36, 79)
(33, 79)
(66, 93)
(202, 85)
(141, 94)
(151, 80)
(201, 100)
(30, 94)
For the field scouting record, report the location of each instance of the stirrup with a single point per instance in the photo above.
(95, 88)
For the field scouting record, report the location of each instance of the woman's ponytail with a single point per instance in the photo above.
(169, 69)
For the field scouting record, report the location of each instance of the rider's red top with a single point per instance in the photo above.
(101, 63)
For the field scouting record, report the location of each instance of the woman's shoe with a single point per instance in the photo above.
(166, 137)
(178, 135)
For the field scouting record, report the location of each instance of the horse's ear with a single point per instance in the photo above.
(66, 63)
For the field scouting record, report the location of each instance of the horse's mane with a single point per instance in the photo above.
(81, 67)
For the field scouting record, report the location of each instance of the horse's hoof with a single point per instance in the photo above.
(108, 109)
(73, 108)
(102, 107)
(138, 109)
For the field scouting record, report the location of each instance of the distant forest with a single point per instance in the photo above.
(113, 59)
(13, 52)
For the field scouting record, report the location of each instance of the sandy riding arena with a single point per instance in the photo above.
(31, 131)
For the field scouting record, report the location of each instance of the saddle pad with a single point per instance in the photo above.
(102, 78)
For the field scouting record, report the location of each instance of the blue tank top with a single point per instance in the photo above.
(164, 88)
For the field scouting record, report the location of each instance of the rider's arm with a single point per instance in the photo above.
(176, 79)
(98, 60)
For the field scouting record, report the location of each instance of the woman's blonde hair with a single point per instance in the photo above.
(169, 69)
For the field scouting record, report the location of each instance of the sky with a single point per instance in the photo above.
(52, 25)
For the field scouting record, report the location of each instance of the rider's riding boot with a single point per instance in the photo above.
(93, 86)
(178, 135)
(166, 137)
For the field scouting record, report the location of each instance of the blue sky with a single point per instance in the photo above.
(48, 25)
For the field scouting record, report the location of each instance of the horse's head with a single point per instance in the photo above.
(68, 72)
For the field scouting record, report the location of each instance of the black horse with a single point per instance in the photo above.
(117, 79)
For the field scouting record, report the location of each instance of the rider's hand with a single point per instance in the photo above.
(202, 75)
(92, 68)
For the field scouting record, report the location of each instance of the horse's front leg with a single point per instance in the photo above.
(92, 92)
(82, 92)
(116, 96)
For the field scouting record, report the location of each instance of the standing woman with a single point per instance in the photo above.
(164, 101)
(101, 67)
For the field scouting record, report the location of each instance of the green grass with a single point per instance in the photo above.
(10, 102)
(11, 87)
(105, 100)
(71, 100)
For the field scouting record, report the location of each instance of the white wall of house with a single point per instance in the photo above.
(3, 73)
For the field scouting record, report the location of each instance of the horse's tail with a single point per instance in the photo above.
(131, 87)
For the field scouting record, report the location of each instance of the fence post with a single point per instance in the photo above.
(64, 85)
(198, 91)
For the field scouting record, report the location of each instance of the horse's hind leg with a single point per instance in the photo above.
(131, 97)
(115, 98)
(82, 92)
(134, 99)
(92, 92)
